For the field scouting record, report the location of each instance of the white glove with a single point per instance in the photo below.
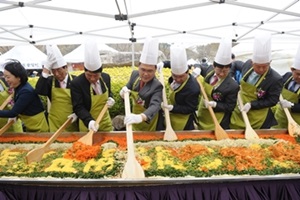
(110, 102)
(73, 116)
(246, 107)
(14, 119)
(196, 72)
(286, 104)
(133, 119)
(93, 126)
(159, 67)
(123, 90)
(169, 107)
(212, 104)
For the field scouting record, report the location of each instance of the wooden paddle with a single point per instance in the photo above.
(35, 155)
(293, 127)
(170, 133)
(6, 126)
(220, 133)
(7, 100)
(132, 168)
(88, 138)
(249, 132)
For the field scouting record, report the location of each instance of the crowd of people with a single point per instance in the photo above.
(83, 97)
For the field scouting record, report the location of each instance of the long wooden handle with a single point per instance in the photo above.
(244, 114)
(220, 133)
(211, 111)
(6, 126)
(58, 132)
(100, 116)
(129, 134)
(286, 111)
(7, 100)
(249, 131)
(169, 133)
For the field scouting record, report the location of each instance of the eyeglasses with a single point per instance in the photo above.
(224, 70)
(148, 71)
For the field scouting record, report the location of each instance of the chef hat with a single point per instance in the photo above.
(178, 59)
(150, 51)
(223, 56)
(54, 57)
(297, 59)
(262, 49)
(92, 61)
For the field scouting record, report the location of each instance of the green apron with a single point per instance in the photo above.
(204, 117)
(279, 112)
(249, 93)
(178, 120)
(35, 123)
(61, 108)
(17, 126)
(137, 108)
(97, 103)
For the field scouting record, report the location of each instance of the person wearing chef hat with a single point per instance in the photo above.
(220, 88)
(290, 94)
(145, 91)
(91, 90)
(260, 87)
(184, 91)
(54, 83)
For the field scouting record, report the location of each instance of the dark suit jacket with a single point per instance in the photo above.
(81, 96)
(228, 91)
(187, 101)
(272, 85)
(151, 94)
(44, 85)
(286, 76)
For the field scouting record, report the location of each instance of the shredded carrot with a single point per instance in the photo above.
(82, 152)
(120, 138)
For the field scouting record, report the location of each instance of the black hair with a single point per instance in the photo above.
(221, 66)
(232, 56)
(16, 69)
(96, 71)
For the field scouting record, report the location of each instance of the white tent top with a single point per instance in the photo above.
(189, 21)
(77, 55)
(30, 56)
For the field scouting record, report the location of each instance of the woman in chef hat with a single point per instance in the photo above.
(220, 88)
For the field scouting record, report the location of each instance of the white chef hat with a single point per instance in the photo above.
(92, 60)
(297, 59)
(262, 48)
(54, 57)
(178, 59)
(150, 51)
(223, 56)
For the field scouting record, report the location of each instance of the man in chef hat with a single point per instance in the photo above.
(145, 91)
(260, 87)
(184, 91)
(290, 94)
(57, 89)
(220, 88)
(90, 91)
